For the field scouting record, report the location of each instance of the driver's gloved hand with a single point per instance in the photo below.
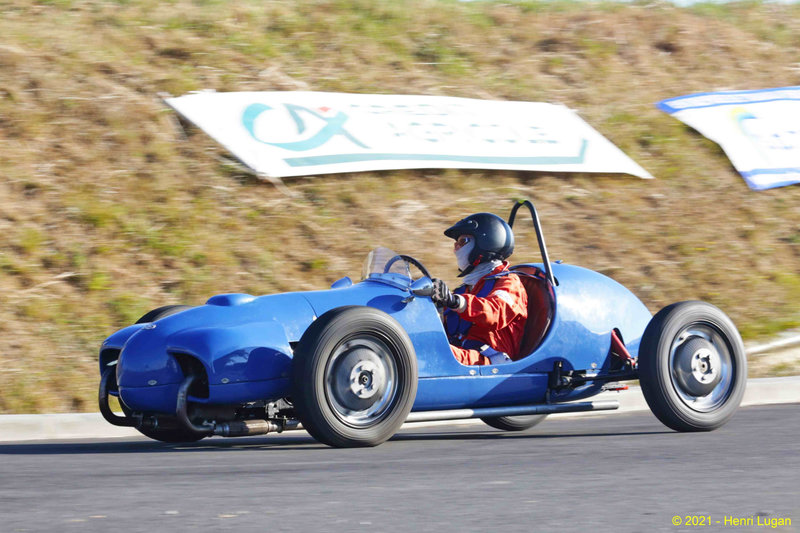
(442, 296)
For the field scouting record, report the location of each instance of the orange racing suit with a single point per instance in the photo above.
(492, 315)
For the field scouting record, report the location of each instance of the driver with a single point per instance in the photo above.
(485, 317)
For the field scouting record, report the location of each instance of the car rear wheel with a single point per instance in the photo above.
(354, 377)
(692, 366)
(514, 423)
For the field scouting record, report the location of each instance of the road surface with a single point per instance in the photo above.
(620, 472)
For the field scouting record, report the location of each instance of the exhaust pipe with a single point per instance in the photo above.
(105, 409)
(517, 410)
(236, 428)
(182, 406)
(245, 428)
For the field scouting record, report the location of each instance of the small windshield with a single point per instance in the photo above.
(379, 259)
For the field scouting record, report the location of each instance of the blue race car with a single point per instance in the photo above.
(352, 363)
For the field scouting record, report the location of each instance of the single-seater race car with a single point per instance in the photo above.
(352, 363)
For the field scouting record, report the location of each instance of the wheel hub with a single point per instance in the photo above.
(697, 366)
(361, 381)
(366, 379)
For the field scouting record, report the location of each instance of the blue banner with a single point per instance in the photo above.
(759, 130)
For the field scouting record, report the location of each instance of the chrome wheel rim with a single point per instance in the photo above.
(701, 367)
(361, 381)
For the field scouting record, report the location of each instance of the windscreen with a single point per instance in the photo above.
(383, 261)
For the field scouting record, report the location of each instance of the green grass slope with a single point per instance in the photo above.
(108, 210)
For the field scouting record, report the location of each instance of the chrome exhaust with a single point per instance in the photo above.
(245, 428)
(517, 410)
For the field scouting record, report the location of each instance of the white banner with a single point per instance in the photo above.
(758, 130)
(304, 133)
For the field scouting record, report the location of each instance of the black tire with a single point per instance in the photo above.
(161, 312)
(514, 423)
(692, 366)
(172, 435)
(354, 377)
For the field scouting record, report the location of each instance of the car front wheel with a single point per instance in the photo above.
(354, 377)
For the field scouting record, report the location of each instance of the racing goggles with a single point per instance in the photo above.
(462, 241)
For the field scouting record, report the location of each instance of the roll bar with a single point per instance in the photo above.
(537, 226)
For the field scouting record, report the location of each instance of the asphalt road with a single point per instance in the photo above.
(622, 472)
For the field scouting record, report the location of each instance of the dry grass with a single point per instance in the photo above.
(106, 210)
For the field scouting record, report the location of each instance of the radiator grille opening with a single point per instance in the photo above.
(190, 366)
(108, 358)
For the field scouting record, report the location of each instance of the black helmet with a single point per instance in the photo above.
(493, 238)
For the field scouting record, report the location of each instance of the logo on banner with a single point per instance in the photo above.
(327, 124)
(770, 139)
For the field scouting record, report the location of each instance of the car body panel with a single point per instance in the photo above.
(242, 342)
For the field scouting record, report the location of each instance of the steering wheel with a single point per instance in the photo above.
(409, 259)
